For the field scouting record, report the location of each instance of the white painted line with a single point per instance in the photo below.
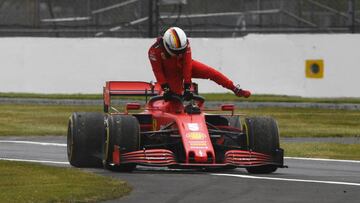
(286, 179)
(318, 159)
(36, 161)
(64, 145)
(35, 143)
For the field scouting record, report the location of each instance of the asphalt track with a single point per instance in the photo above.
(304, 181)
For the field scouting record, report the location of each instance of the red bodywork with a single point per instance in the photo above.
(191, 129)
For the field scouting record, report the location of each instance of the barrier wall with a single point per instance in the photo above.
(266, 64)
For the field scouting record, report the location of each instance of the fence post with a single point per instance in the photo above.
(353, 16)
(36, 14)
(157, 16)
(150, 21)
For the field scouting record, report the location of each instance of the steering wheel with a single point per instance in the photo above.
(198, 98)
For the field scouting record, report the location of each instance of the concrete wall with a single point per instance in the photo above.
(270, 64)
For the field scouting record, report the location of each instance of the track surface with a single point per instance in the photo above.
(303, 181)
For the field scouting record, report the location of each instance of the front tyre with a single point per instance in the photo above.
(123, 131)
(263, 137)
(84, 135)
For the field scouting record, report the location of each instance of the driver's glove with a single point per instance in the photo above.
(167, 92)
(188, 95)
(241, 93)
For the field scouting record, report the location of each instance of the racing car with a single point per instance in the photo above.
(170, 133)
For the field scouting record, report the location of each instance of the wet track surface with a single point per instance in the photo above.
(303, 181)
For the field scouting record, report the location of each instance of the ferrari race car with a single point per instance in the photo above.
(170, 133)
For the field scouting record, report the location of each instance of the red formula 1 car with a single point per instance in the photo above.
(173, 133)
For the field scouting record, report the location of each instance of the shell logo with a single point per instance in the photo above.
(195, 136)
(154, 124)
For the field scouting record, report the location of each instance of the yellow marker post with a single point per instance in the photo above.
(314, 69)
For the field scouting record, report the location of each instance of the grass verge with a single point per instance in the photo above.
(322, 150)
(37, 119)
(293, 122)
(25, 182)
(310, 122)
(208, 96)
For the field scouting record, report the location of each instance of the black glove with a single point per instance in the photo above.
(188, 95)
(167, 92)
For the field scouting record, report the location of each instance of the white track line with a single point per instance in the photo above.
(286, 179)
(318, 159)
(64, 145)
(36, 161)
(35, 143)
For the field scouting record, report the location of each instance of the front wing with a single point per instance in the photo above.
(164, 157)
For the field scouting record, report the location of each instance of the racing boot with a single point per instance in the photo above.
(188, 95)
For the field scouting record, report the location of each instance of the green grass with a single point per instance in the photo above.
(208, 96)
(25, 182)
(293, 122)
(322, 150)
(311, 122)
(37, 119)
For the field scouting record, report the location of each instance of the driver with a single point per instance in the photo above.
(173, 66)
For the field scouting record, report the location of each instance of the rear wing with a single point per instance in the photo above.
(129, 88)
(133, 88)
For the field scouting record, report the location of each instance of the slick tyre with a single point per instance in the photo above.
(84, 139)
(123, 131)
(263, 136)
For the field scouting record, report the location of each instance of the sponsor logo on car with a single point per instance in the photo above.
(196, 136)
(193, 126)
(198, 144)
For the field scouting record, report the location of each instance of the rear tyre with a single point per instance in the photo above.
(263, 136)
(84, 138)
(123, 131)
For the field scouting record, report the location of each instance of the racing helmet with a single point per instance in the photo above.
(175, 41)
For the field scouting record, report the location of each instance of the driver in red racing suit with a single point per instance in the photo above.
(173, 66)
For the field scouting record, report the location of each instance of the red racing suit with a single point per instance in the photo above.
(179, 69)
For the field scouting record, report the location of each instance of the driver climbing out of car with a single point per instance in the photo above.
(173, 66)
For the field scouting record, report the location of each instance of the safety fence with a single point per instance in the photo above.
(200, 18)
